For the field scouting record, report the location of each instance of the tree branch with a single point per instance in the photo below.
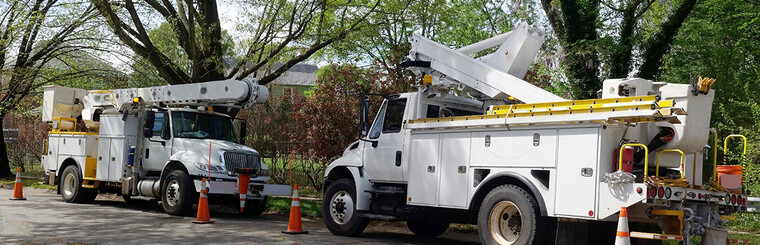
(658, 45)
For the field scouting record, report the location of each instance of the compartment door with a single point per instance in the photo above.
(423, 169)
(104, 151)
(116, 159)
(455, 161)
(51, 160)
(576, 188)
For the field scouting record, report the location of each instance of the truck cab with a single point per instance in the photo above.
(383, 148)
(370, 178)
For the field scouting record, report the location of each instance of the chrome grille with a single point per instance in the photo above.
(236, 160)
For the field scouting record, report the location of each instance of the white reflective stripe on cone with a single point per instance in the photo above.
(295, 203)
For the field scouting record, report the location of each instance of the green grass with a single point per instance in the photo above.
(281, 205)
(34, 183)
(283, 165)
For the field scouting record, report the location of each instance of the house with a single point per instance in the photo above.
(298, 79)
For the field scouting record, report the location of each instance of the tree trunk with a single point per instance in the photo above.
(658, 45)
(620, 62)
(580, 37)
(5, 166)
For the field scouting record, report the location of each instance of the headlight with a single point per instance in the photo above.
(214, 168)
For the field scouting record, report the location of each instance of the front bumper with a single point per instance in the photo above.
(255, 190)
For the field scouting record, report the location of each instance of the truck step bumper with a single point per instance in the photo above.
(254, 190)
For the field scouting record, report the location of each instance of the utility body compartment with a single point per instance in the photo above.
(445, 165)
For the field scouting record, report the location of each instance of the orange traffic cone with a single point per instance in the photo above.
(294, 224)
(243, 180)
(623, 236)
(203, 215)
(18, 193)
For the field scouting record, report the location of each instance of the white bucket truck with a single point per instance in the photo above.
(544, 172)
(154, 143)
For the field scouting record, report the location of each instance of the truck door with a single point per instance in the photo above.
(383, 159)
(158, 148)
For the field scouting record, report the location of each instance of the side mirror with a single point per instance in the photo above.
(150, 119)
(363, 115)
(243, 132)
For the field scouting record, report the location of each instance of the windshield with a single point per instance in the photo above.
(203, 126)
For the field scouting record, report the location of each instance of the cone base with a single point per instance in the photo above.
(17, 199)
(203, 221)
(295, 232)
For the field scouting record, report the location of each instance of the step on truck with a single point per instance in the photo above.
(155, 143)
(476, 144)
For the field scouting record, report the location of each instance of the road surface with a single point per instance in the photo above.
(45, 218)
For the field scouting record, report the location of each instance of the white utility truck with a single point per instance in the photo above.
(479, 145)
(154, 143)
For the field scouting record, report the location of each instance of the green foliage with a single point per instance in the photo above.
(721, 40)
(281, 205)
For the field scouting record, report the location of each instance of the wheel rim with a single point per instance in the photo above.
(505, 222)
(172, 193)
(341, 207)
(69, 183)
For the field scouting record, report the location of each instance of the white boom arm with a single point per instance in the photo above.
(230, 93)
(494, 75)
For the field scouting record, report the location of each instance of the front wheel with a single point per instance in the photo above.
(509, 215)
(177, 193)
(339, 209)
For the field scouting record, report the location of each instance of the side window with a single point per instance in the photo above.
(394, 116)
(378, 123)
(161, 125)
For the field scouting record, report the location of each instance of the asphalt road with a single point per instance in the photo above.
(45, 219)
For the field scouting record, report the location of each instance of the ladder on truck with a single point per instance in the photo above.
(612, 110)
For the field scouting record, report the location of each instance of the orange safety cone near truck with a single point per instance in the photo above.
(623, 236)
(294, 224)
(203, 215)
(244, 178)
(18, 193)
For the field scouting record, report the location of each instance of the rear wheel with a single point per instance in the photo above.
(177, 193)
(509, 215)
(71, 187)
(428, 227)
(339, 209)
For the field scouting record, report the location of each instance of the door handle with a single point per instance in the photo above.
(431, 169)
(462, 169)
(147, 153)
(398, 158)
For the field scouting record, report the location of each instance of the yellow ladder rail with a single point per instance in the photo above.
(715, 155)
(649, 102)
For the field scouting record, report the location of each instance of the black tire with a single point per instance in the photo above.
(502, 201)
(71, 188)
(428, 227)
(337, 195)
(178, 193)
(253, 208)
